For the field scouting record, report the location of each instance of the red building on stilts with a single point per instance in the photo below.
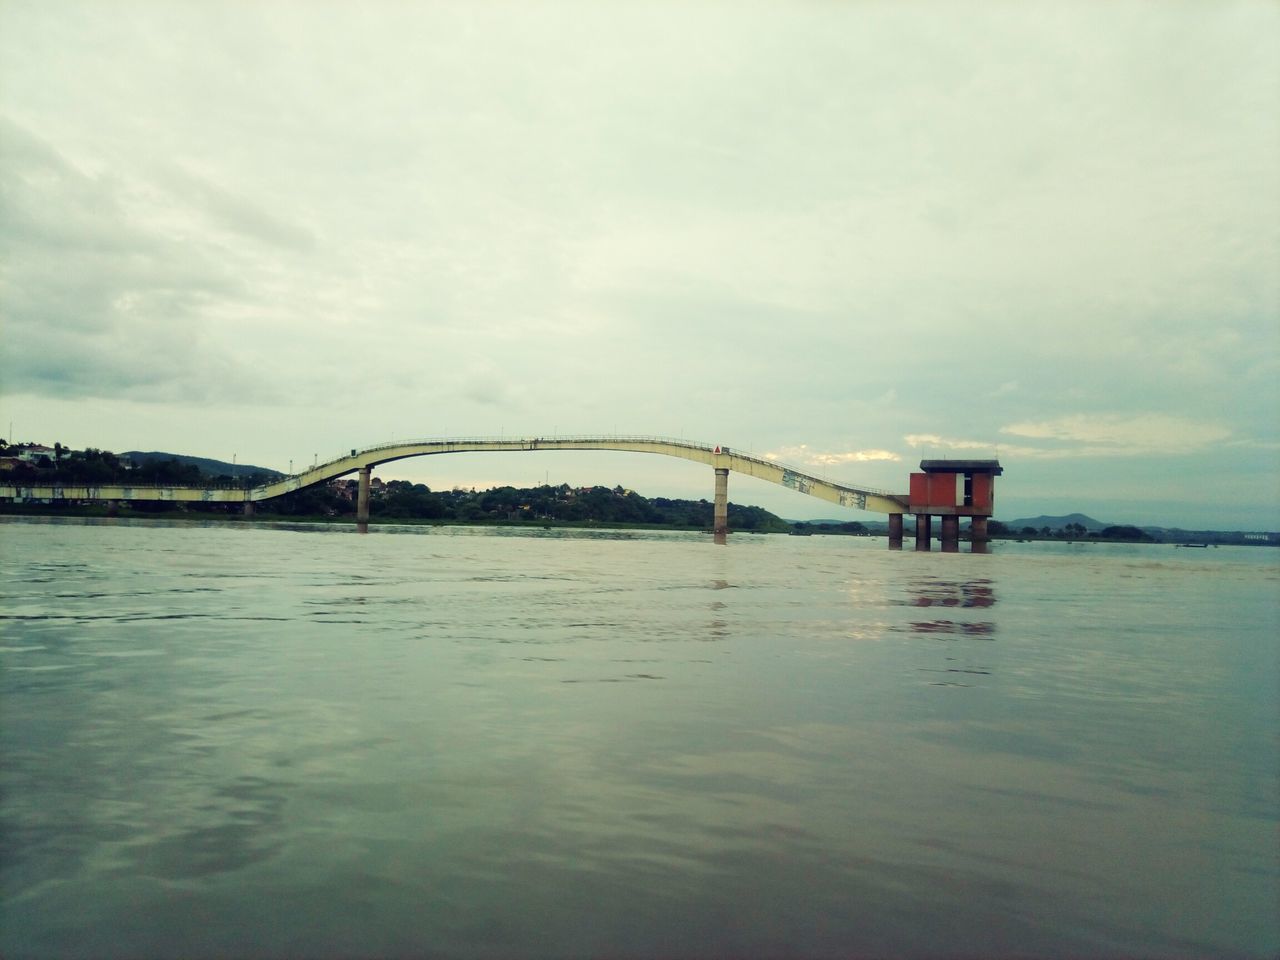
(951, 489)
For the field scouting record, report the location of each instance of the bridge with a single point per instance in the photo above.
(722, 459)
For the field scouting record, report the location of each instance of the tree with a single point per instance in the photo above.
(410, 501)
(1122, 532)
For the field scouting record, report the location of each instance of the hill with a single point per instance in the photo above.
(1057, 523)
(206, 465)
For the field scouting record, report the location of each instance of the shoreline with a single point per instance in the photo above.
(21, 511)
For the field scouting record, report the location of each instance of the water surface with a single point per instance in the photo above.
(249, 740)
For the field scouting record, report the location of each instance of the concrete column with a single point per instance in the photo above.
(924, 531)
(978, 530)
(721, 525)
(950, 533)
(362, 497)
(113, 508)
(248, 508)
(895, 531)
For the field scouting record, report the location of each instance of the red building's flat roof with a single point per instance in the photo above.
(962, 466)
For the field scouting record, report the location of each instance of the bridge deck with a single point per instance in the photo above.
(846, 495)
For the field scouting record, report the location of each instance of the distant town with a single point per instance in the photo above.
(401, 501)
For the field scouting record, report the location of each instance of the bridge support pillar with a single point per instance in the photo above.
(924, 531)
(721, 516)
(248, 508)
(362, 496)
(950, 533)
(113, 508)
(895, 531)
(978, 538)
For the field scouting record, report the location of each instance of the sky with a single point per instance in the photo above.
(848, 234)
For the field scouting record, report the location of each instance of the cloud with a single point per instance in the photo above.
(98, 301)
(1251, 444)
(946, 443)
(232, 211)
(596, 219)
(1124, 434)
(1006, 388)
(485, 384)
(818, 458)
(1079, 436)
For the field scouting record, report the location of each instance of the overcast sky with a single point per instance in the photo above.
(849, 234)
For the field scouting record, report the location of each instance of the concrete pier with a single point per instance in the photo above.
(895, 531)
(720, 525)
(979, 539)
(950, 533)
(248, 508)
(362, 497)
(924, 531)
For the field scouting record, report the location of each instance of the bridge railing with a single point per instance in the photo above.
(609, 438)
(507, 438)
(28, 483)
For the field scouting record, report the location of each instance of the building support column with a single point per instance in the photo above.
(113, 508)
(978, 530)
(950, 533)
(248, 508)
(721, 516)
(362, 496)
(895, 531)
(924, 531)
(978, 538)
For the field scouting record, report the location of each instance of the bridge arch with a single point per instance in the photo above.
(722, 459)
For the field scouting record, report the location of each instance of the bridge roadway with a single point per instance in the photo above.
(361, 462)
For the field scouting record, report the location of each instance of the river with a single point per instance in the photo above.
(256, 740)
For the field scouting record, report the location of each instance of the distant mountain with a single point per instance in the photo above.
(214, 468)
(841, 521)
(1057, 523)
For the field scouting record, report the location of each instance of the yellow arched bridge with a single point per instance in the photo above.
(721, 458)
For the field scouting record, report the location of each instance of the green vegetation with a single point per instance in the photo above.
(402, 501)
(1124, 532)
(92, 466)
(1075, 532)
(851, 529)
(397, 501)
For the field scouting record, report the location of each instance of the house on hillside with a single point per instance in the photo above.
(31, 452)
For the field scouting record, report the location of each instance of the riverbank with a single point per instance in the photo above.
(100, 511)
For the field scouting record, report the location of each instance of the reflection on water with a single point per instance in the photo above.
(983, 628)
(260, 741)
(927, 592)
(951, 593)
